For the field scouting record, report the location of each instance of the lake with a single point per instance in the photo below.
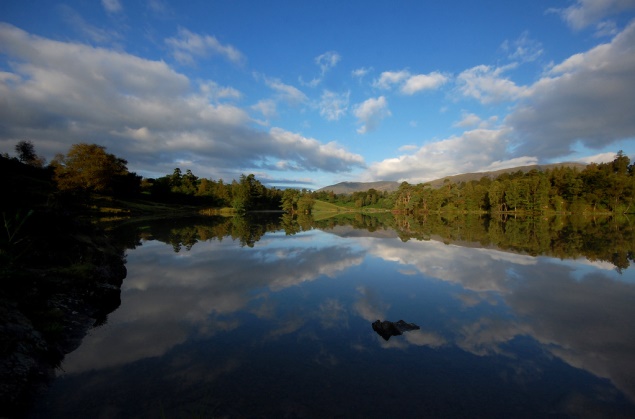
(274, 319)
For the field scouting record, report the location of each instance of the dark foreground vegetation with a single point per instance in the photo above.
(59, 276)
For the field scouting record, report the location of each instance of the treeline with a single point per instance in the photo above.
(88, 170)
(371, 198)
(604, 187)
(183, 233)
(245, 194)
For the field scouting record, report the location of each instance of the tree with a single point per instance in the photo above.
(26, 154)
(305, 203)
(290, 198)
(88, 168)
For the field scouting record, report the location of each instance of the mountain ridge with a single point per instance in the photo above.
(391, 186)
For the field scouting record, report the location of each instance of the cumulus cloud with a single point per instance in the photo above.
(470, 152)
(388, 78)
(370, 112)
(587, 12)
(421, 82)
(487, 84)
(312, 154)
(408, 83)
(60, 93)
(334, 105)
(188, 45)
(587, 98)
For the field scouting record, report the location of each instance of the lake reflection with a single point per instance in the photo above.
(283, 328)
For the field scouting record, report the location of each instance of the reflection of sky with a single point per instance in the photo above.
(323, 291)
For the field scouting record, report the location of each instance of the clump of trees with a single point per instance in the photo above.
(371, 198)
(297, 201)
(245, 194)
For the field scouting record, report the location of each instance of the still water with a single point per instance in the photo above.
(282, 328)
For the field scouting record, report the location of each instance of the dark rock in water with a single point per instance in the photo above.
(387, 329)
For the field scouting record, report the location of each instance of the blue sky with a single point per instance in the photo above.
(311, 93)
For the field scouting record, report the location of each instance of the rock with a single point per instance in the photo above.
(387, 329)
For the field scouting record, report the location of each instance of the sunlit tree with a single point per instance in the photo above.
(88, 168)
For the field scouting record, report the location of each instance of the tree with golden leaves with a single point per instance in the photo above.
(88, 168)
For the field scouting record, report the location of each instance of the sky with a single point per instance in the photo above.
(307, 94)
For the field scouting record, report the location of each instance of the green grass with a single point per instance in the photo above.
(323, 210)
(321, 206)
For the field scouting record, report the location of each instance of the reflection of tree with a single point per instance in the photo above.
(186, 232)
(607, 239)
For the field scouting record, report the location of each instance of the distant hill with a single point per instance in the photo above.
(350, 187)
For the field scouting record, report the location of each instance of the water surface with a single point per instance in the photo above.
(281, 327)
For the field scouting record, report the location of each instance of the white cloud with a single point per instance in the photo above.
(388, 78)
(266, 107)
(508, 164)
(60, 93)
(408, 83)
(420, 82)
(112, 6)
(370, 112)
(313, 154)
(587, 98)
(599, 158)
(215, 93)
(587, 12)
(187, 45)
(290, 94)
(333, 106)
(487, 85)
(473, 151)
(360, 72)
(469, 120)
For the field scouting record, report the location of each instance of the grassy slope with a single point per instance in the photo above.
(323, 210)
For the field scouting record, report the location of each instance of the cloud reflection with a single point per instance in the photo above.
(170, 296)
(585, 319)
(580, 313)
